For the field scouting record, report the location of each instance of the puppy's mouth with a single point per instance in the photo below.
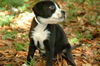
(57, 20)
(52, 20)
(60, 18)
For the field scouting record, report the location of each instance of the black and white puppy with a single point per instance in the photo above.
(46, 35)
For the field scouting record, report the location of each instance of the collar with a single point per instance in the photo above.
(37, 20)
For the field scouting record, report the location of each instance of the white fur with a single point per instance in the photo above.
(57, 13)
(54, 19)
(40, 34)
(24, 65)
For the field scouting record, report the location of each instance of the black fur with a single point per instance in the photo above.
(57, 42)
(41, 9)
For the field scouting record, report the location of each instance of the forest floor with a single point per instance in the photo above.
(14, 41)
(14, 44)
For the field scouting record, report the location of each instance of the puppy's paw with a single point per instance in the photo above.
(25, 64)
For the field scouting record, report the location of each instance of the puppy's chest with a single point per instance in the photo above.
(40, 34)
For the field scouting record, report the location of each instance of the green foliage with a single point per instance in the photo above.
(92, 18)
(24, 7)
(88, 12)
(89, 2)
(98, 44)
(18, 4)
(31, 63)
(8, 34)
(8, 64)
(5, 19)
(77, 1)
(19, 47)
(73, 40)
(74, 7)
(15, 3)
(89, 45)
(77, 38)
(78, 35)
(2, 8)
(10, 3)
(88, 35)
(24, 36)
(71, 10)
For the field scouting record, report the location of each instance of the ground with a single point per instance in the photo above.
(82, 29)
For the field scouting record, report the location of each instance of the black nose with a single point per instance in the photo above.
(63, 12)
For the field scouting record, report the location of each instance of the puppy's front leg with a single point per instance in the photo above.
(50, 56)
(50, 53)
(31, 51)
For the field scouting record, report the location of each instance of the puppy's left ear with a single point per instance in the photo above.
(35, 9)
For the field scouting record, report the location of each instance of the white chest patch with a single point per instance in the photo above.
(40, 34)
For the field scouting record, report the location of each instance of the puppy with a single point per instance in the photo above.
(46, 35)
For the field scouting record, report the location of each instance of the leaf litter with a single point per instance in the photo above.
(86, 55)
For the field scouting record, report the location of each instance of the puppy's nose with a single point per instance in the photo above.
(63, 12)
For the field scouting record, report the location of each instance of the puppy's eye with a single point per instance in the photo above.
(52, 7)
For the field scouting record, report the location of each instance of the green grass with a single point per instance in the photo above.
(88, 35)
(73, 40)
(8, 34)
(21, 46)
(8, 64)
(75, 6)
(11, 3)
(32, 63)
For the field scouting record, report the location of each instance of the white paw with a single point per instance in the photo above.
(24, 65)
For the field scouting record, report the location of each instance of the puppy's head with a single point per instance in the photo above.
(48, 12)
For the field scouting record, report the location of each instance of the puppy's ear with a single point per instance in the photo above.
(35, 10)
